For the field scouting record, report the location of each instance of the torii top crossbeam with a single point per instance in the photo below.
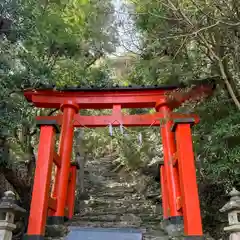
(127, 97)
(117, 98)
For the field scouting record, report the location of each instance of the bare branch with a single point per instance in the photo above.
(179, 49)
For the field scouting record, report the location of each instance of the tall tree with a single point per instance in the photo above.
(182, 41)
(49, 42)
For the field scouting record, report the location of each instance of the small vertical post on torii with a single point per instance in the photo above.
(71, 189)
(164, 193)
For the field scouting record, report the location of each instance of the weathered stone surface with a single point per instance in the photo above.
(56, 231)
(116, 201)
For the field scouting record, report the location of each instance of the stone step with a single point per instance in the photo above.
(115, 203)
(105, 201)
(114, 224)
(113, 190)
(110, 192)
(152, 237)
(119, 206)
(124, 198)
(149, 216)
(58, 231)
(62, 230)
(120, 187)
(120, 211)
(118, 195)
(116, 217)
(101, 218)
(145, 237)
(100, 207)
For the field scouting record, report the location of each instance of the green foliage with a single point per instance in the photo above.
(183, 41)
(217, 141)
(56, 42)
(190, 40)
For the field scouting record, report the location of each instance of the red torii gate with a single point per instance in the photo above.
(178, 177)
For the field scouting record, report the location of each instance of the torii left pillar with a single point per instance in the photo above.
(41, 187)
(62, 203)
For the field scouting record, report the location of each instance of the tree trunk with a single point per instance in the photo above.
(20, 183)
(18, 176)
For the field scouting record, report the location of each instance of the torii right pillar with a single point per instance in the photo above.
(187, 178)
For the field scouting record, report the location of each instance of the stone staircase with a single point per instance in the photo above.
(115, 202)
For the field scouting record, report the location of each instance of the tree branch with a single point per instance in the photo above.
(18, 139)
(223, 73)
(93, 60)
